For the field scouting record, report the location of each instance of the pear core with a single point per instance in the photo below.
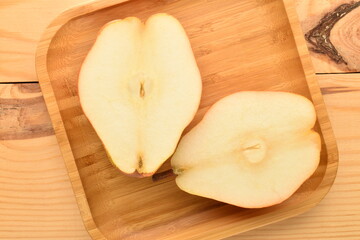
(254, 150)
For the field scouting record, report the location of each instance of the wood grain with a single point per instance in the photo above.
(23, 112)
(345, 36)
(234, 52)
(19, 35)
(36, 199)
(22, 23)
(332, 26)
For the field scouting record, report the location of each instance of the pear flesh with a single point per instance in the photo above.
(252, 149)
(140, 86)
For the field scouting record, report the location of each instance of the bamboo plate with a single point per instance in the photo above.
(239, 45)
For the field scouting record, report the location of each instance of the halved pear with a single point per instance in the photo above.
(252, 149)
(139, 86)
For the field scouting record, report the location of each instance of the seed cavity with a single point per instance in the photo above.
(256, 146)
(140, 163)
(254, 149)
(142, 90)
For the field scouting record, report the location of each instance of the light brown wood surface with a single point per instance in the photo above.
(32, 217)
(36, 198)
(344, 35)
(22, 23)
(337, 216)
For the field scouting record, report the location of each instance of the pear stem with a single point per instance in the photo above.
(162, 175)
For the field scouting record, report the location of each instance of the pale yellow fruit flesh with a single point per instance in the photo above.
(252, 149)
(140, 87)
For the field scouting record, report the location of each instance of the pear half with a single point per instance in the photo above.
(252, 149)
(139, 86)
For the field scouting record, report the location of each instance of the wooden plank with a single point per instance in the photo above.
(43, 207)
(36, 198)
(332, 33)
(22, 23)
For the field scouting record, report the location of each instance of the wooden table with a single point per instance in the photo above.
(36, 199)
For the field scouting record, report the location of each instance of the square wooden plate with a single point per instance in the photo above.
(238, 45)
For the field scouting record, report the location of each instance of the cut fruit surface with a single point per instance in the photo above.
(140, 87)
(252, 149)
